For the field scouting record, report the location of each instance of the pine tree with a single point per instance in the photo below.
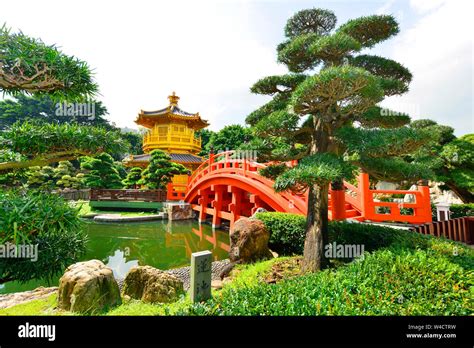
(40, 177)
(160, 170)
(324, 113)
(100, 172)
(63, 168)
(451, 158)
(68, 181)
(133, 177)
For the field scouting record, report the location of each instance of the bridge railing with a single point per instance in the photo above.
(353, 196)
(360, 197)
(223, 160)
(418, 211)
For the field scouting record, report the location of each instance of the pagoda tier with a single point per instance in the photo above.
(189, 161)
(173, 131)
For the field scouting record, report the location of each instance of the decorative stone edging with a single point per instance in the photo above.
(9, 300)
(120, 218)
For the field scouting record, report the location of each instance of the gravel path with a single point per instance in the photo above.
(183, 273)
(9, 300)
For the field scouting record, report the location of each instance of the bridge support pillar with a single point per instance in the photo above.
(216, 204)
(235, 206)
(203, 201)
(338, 201)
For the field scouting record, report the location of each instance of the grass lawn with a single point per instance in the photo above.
(43, 306)
(412, 274)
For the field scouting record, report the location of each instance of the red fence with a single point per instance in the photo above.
(128, 195)
(459, 229)
(177, 188)
(417, 212)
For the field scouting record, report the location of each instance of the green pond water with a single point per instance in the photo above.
(161, 244)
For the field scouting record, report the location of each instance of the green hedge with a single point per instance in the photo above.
(287, 234)
(43, 219)
(460, 210)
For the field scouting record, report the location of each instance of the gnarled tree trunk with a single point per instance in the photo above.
(316, 229)
(317, 218)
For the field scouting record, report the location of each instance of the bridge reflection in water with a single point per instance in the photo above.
(202, 238)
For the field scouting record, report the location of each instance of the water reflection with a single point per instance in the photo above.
(207, 239)
(162, 244)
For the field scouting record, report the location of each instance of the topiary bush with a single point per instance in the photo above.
(287, 234)
(460, 210)
(46, 220)
(287, 231)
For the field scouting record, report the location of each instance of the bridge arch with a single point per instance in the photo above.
(227, 188)
(229, 196)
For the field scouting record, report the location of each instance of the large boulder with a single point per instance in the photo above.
(87, 287)
(151, 285)
(249, 241)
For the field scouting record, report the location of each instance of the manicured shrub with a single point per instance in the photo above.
(374, 237)
(460, 210)
(43, 219)
(287, 234)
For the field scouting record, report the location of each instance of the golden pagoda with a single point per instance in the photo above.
(171, 130)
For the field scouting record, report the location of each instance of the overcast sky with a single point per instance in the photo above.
(211, 52)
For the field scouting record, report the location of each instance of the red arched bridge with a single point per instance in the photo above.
(227, 188)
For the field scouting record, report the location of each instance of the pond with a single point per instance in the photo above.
(161, 244)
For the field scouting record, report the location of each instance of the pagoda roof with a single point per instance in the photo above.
(172, 109)
(175, 157)
(148, 118)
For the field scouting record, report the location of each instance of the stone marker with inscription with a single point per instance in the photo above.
(201, 273)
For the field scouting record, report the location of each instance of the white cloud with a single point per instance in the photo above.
(438, 51)
(385, 8)
(423, 6)
(207, 52)
(142, 51)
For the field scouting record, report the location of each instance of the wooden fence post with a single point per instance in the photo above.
(365, 195)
